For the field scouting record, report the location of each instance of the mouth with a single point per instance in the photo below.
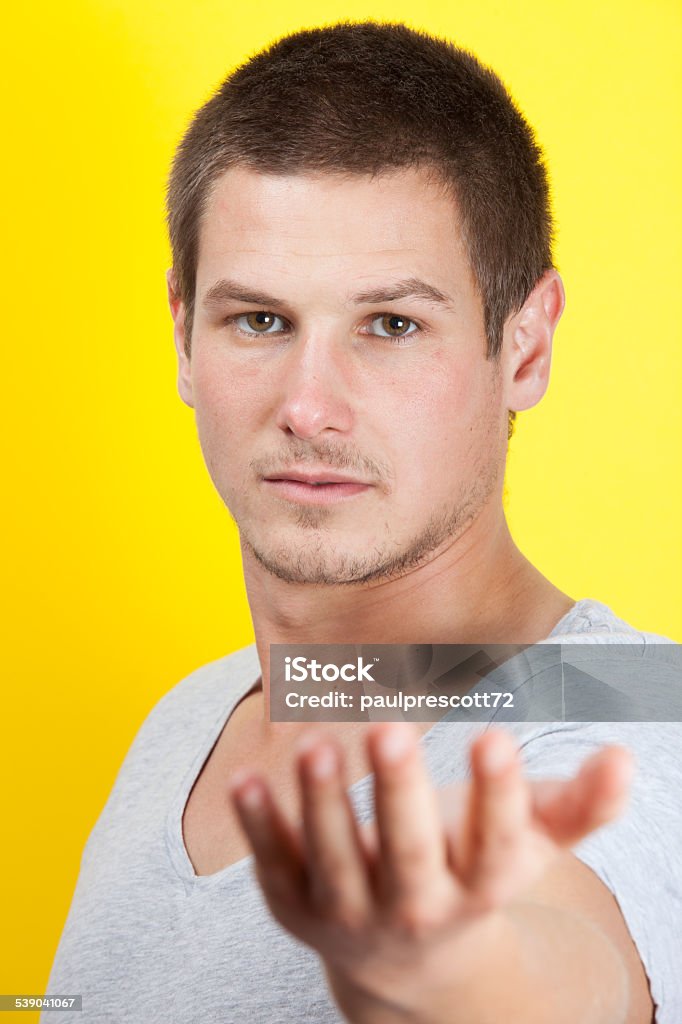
(323, 488)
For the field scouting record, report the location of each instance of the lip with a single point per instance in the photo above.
(321, 476)
(306, 490)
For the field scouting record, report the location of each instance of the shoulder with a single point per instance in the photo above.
(168, 739)
(592, 621)
(208, 687)
(183, 716)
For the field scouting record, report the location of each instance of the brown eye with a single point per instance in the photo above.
(394, 326)
(260, 321)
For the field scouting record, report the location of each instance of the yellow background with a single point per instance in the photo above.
(122, 566)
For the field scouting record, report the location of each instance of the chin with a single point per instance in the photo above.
(307, 554)
(315, 560)
(321, 561)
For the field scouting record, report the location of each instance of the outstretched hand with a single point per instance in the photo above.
(425, 882)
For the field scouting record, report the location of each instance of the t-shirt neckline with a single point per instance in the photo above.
(175, 842)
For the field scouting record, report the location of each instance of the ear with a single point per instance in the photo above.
(527, 342)
(177, 308)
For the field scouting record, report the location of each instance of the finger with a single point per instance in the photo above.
(453, 802)
(496, 829)
(369, 840)
(276, 851)
(412, 845)
(570, 810)
(338, 872)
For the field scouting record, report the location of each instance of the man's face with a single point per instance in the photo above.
(388, 399)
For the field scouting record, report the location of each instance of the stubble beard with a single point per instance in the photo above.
(311, 558)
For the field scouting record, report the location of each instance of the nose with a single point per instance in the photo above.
(315, 388)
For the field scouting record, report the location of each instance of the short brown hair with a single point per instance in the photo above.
(368, 97)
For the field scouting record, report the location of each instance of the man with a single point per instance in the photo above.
(363, 297)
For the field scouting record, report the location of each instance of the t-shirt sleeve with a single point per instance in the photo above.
(638, 856)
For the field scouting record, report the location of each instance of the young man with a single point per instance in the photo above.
(363, 297)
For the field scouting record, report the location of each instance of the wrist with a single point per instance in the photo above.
(418, 985)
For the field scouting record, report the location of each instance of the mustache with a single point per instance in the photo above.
(326, 453)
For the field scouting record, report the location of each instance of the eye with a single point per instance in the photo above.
(258, 322)
(393, 326)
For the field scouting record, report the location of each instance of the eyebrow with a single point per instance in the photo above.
(409, 288)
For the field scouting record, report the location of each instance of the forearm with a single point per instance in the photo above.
(528, 965)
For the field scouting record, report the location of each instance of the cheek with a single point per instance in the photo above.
(446, 425)
(218, 402)
(443, 407)
(219, 414)
(228, 391)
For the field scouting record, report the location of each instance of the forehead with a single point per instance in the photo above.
(354, 227)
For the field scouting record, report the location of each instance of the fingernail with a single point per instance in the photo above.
(323, 763)
(497, 755)
(394, 743)
(252, 795)
(307, 741)
(238, 778)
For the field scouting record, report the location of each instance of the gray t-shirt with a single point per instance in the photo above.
(146, 940)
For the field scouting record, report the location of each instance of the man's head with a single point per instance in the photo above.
(364, 98)
(337, 164)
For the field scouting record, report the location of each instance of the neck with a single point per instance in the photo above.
(478, 588)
